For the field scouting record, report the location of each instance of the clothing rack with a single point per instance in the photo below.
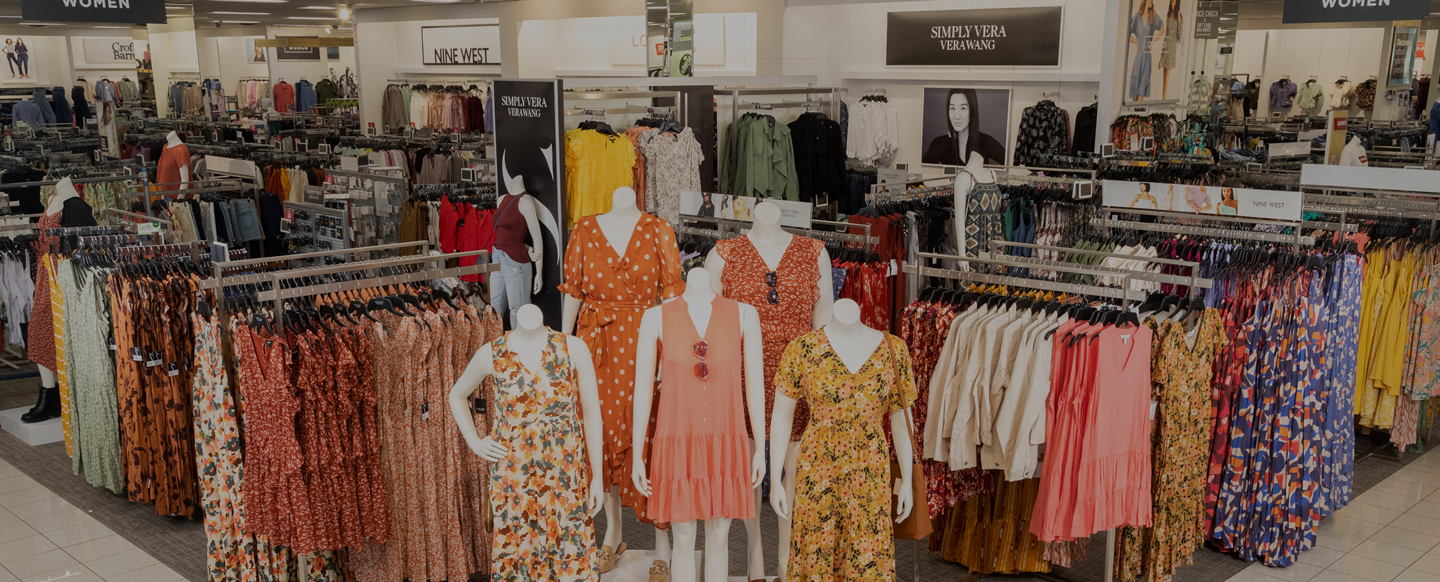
(736, 93)
(221, 281)
(865, 239)
(1297, 239)
(1193, 281)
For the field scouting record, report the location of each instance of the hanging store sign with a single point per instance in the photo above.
(991, 37)
(1402, 55)
(1207, 20)
(103, 51)
(530, 159)
(117, 11)
(1310, 11)
(471, 44)
(293, 51)
(1215, 200)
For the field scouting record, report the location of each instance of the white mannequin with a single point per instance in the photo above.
(618, 225)
(699, 298)
(528, 340)
(526, 206)
(771, 241)
(854, 344)
(172, 140)
(974, 170)
(64, 190)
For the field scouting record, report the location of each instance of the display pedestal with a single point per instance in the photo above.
(37, 433)
(634, 566)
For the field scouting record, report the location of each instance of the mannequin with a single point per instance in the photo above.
(611, 322)
(48, 405)
(854, 344)
(173, 167)
(974, 172)
(699, 298)
(511, 287)
(771, 242)
(529, 340)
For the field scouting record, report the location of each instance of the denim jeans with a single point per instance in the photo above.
(247, 223)
(510, 286)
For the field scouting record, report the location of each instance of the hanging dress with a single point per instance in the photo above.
(984, 215)
(543, 529)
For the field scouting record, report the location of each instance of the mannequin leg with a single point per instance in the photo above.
(509, 287)
(47, 377)
(792, 456)
(717, 550)
(755, 565)
(682, 569)
(612, 518)
(662, 546)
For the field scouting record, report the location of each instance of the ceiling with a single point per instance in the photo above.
(245, 12)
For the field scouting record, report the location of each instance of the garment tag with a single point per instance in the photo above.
(172, 369)
(425, 411)
(136, 355)
(1153, 406)
(152, 359)
(1126, 338)
(894, 269)
(479, 406)
(110, 341)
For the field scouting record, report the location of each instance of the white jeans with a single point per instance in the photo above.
(510, 286)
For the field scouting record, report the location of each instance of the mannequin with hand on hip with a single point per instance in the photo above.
(700, 409)
(772, 243)
(521, 265)
(47, 405)
(529, 343)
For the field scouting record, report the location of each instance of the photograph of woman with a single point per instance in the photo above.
(1145, 25)
(1143, 199)
(9, 50)
(1168, 53)
(707, 206)
(1198, 199)
(22, 56)
(961, 137)
(1228, 205)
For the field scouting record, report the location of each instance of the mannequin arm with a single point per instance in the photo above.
(537, 252)
(826, 286)
(644, 394)
(905, 452)
(781, 419)
(754, 384)
(590, 409)
(184, 176)
(481, 366)
(716, 266)
(569, 312)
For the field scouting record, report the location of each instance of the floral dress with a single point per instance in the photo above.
(842, 527)
(543, 529)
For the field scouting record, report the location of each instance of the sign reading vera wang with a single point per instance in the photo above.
(119, 11)
(473, 44)
(100, 51)
(994, 37)
(1307, 11)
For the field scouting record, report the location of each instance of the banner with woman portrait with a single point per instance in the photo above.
(1158, 37)
(959, 123)
(1192, 199)
(19, 60)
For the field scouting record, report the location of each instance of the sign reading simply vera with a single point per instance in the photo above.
(1307, 11)
(118, 11)
(994, 37)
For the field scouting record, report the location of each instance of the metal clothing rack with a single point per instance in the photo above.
(866, 239)
(1105, 222)
(1193, 281)
(736, 93)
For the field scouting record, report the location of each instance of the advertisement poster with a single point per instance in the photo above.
(1337, 128)
(706, 204)
(20, 59)
(254, 54)
(1311, 11)
(530, 157)
(990, 37)
(1158, 36)
(959, 123)
(1246, 202)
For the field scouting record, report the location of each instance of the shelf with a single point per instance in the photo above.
(1003, 74)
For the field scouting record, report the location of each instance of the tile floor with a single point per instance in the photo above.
(44, 538)
(1390, 533)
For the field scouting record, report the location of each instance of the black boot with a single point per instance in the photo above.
(39, 401)
(48, 408)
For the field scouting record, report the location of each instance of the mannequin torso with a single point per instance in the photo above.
(618, 225)
(65, 190)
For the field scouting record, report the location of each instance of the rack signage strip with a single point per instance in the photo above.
(1213, 200)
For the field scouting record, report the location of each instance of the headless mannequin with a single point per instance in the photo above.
(618, 225)
(171, 141)
(771, 241)
(65, 190)
(854, 344)
(699, 298)
(528, 340)
(974, 170)
(525, 205)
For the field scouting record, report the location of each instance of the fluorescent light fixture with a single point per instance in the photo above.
(344, 13)
(244, 13)
(438, 1)
(11, 17)
(316, 8)
(111, 27)
(311, 17)
(240, 22)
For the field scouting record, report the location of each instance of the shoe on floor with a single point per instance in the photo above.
(608, 557)
(48, 408)
(660, 572)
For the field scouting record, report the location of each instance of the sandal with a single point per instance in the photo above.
(608, 557)
(660, 572)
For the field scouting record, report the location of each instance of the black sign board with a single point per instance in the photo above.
(991, 37)
(117, 11)
(297, 53)
(529, 129)
(1207, 20)
(1308, 11)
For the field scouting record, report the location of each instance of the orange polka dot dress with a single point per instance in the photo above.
(616, 291)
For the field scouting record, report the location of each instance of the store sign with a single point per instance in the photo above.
(992, 37)
(1216, 200)
(1402, 55)
(530, 159)
(1207, 20)
(1310, 11)
(117, 11)
(99, 51)
(297, 53)
(477, 44)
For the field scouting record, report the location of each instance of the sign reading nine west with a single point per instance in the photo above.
(1305, 11)
(997, 37)
(118, 11)
(477, 44)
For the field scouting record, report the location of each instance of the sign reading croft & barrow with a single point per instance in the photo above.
(990, 37)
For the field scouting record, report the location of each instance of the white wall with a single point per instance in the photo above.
(387, 46)
(597, 46)
(49, 60)
(1298, 54)
(172, 51)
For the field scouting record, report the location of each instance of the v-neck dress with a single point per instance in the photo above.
(615, 291)
(543, 529)
(796, 277)
(842, 527)
(700, 455)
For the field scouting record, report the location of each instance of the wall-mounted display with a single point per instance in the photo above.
(959, 123)
(297, 53)
(992, 37)
(254, 54)
(1157, 39)
(1246, 202)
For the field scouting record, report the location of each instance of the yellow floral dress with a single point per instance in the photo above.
(543, 529)
(842, 526)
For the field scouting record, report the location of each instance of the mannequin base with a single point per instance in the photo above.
(634, 566)
(35, 433)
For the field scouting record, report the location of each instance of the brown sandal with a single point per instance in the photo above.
(660, 572)
(608, 557)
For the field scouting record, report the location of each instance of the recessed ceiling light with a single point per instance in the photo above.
(344, 13)
(244, 13)
(310, 17)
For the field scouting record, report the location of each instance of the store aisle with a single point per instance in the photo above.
(1390, 533)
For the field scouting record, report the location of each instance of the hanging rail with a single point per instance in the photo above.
(865, 239)
(1193, 281)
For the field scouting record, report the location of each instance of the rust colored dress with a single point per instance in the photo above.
(40, 344)
(277, 502)
(616, 291)
(796, 277)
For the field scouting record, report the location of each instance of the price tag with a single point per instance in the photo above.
(153, 359)
(136, 355)
(147, 228)
(479, 406)
(110, 341)
(1153, 406)
(172, 369)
